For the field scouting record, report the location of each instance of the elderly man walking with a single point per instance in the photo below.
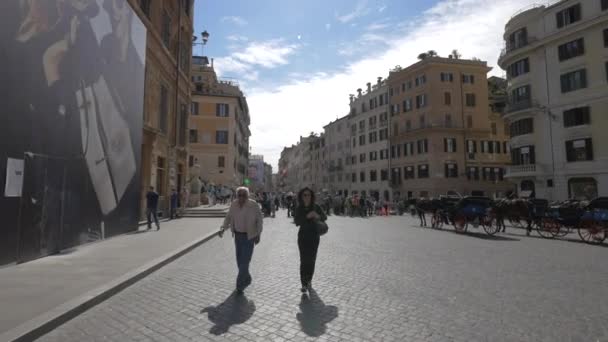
(245, 220)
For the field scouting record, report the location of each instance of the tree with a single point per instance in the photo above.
(422, 56)
(432, 53)
(456, 54)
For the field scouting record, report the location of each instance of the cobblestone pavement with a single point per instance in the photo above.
(379, 279)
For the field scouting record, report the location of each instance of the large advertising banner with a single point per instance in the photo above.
(71, 109)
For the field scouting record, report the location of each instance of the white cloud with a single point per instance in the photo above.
(280, 115)
(328, 26)
(381, 9)
(377, 26)
(360, 10)
(238, 21)
(237, 38)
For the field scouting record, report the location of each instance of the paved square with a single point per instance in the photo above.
(378, 279)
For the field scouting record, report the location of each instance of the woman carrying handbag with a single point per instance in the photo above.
(311, 220)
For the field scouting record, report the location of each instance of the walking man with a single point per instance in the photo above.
(245, 221)
(152, 207)
(174, 202)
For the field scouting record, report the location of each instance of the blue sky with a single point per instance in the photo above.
(297, 61)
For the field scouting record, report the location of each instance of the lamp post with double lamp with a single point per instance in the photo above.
(205, 37)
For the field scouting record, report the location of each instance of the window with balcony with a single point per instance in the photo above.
(470, 100)
(221, 137)
(423, 171)
(451, 170)
(193, 138)
(571, 49)
(518, 39)
(521, 98)
(519, 68)
(524, 155)
(409, 172)
(423, 146)
(447, 77)
(421, 101)
(473, 173)
(568, 16)
(579, 150)
(574, 80)
(577, 116)
(449, 145)
(447, 98)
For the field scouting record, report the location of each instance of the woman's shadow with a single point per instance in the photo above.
(236, 309)
(315, 315)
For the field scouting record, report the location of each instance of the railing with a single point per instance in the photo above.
(510, 48)
(519, 105)
(519, 169)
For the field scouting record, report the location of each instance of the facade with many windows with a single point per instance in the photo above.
(219, 133)
(446, 132)
(556, 58)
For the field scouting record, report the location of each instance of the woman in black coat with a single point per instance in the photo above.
(306, 215)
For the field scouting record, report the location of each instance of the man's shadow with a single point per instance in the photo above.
(315, 315)
(236, 309)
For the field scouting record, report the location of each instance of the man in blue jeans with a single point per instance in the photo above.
(152, 208)
(245, 220)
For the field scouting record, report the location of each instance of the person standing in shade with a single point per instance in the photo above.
(152, 208)
(245, 220)
(174, 203)
(306, 215)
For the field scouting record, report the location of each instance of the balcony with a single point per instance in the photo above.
(514, 47)
(520, 105)
(523, 170)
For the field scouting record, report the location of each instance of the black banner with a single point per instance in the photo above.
(71, 108)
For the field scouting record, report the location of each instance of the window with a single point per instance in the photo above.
(145, 7)
(468, 79)
(447, 77)
(361, 125)
(361, 140)
(579, 150)
(221, 137)
(571, 49)
(373, 176)
(574, 80)
(471, 146)
(451, 170)
(518, 39)
(362, 158)
(473, 173)
(449, 145)
(423, 171)
(362, 177)
(519, 68)
(353, 129)
(191, 161)
(423, 146)
(383, 175)
(372, 122)
(447, 98)
(420, 80)
(448, 120)
(160, 175)
(568, 16)
(221, 161)
(407, 105)
(521, 94)
(485, 146)
(193, 136)
(469, 121)
(408, 172)
(222, 110)
(582, 188)
(604, 5)
(524, 155)
(606, 36)
(470, 100)
(373, 155)
(354, 142)
(166, 29)
(421, 101)
(163, 118)
(353, 177)
(577, 116)
(494, 129)
(194, 108)
(383, 134)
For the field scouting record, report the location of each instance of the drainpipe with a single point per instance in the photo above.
(550, 115)
(177, 68)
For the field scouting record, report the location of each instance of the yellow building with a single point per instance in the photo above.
(167, 94)
(445, 138)
(219, 128)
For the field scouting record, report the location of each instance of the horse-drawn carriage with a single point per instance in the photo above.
(589, 218)
(474, 211)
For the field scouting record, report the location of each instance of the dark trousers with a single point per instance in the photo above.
(308, 244)
(151, 213)
(244, 252)
(173, 212)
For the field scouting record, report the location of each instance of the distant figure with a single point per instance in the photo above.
(152, 208)
(245, 220)
(174, 203)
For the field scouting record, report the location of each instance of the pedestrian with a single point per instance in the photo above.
(245, 220)
(152, 208)
(306, 216)
(174, 202)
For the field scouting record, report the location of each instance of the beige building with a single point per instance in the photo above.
(218, 128)
(556, 58)
(444, 136)
(335, 157)
(167, 95)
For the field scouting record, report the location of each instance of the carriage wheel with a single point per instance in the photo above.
(548, 228)
(592, 232)
(460, 223)
(489, 224)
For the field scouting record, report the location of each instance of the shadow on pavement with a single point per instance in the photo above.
(315, 315)
(485, 236)
(236, 309)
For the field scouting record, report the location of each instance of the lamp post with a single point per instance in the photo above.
(205, 38)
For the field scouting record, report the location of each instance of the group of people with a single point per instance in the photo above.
(245, 221)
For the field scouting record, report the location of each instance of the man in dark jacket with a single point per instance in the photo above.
(152, 208)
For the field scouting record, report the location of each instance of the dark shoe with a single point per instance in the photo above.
(303, 289)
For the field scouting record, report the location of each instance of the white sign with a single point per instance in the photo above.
(14, 177)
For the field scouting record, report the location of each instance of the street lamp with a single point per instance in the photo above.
(205, 35)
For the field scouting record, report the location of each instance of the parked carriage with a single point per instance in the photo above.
(593, 226)
(474, 211)
(443, 207)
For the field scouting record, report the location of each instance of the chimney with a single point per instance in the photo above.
(359, 91)
(369, 87)
(379, 81)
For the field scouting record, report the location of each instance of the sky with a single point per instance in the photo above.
(298, 61)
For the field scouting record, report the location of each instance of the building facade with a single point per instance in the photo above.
(369, 142)
(218, 128)
(556, 58)
(257, 180)
(335, 157)
(444, 137)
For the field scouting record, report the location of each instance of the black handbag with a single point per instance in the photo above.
(322, 227)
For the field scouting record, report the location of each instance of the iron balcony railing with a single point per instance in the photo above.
(516, 106)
